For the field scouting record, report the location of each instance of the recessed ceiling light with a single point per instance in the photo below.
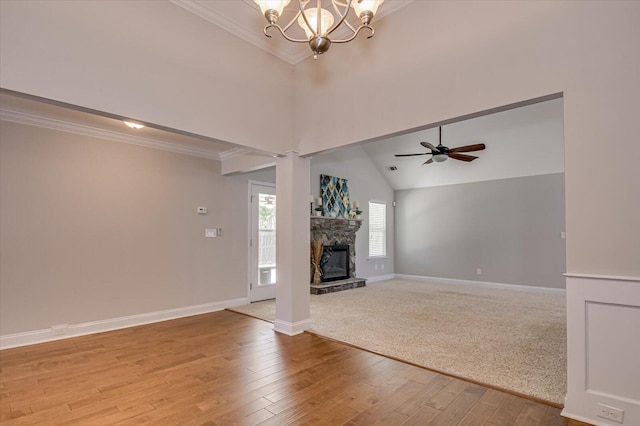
(133, 125)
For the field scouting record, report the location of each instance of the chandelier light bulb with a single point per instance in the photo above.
(366, 9)
(326, 21)
(272, 9)
(136, 126)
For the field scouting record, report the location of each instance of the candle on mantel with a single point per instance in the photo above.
(319, 202)
(311, 199)
(355, 205)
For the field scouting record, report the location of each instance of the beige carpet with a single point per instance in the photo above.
(510, 339)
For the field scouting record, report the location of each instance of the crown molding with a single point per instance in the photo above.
(233, 152)
(80, 129)
(257, 38)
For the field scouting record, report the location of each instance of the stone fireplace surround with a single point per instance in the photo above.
(333, 231)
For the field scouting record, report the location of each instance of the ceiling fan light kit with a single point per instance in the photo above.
(439, 158)
(319, 30)
(441, 153)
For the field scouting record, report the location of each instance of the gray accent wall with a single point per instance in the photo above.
(510, 228)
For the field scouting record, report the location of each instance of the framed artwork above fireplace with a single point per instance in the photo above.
(335, 196)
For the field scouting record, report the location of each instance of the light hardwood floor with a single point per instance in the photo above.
(225, 368)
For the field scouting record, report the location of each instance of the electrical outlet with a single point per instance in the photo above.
(479, 271)
(60, 330)
(611, 413)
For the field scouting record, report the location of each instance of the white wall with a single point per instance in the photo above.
(151, 61)
(470, 57)
(429, 62)
(438, 60)
(96, 230)
(365, 184)
(474, 56)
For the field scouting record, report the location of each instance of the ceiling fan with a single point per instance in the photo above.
(440, 153)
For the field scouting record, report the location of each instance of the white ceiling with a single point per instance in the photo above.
(244, 19)
(525, 141)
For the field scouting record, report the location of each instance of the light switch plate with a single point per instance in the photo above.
(210, 233)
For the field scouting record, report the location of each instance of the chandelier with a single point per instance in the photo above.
(318, 23)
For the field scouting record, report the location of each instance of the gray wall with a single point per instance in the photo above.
(92, 229)
(365, 184)
(510, 228)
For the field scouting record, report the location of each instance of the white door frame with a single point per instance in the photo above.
(256, 292)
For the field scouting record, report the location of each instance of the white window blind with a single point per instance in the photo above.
(377, 229)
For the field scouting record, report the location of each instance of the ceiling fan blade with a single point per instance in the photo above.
(462, 157)
(469, 148)
(429, 161)
(429, 146)
(411, 155)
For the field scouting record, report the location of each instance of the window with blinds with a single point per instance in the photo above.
(377, 229)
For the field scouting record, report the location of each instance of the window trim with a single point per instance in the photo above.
(384, 254)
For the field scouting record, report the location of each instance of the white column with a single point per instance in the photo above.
(292, 245)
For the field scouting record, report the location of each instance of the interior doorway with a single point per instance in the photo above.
(262, 242)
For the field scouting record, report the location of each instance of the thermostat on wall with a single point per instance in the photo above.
(202, 210)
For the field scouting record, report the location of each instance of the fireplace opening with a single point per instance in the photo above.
(335, 262)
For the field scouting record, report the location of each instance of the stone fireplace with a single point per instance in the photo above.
(339, 238)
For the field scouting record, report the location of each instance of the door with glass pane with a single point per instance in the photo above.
(263, 242)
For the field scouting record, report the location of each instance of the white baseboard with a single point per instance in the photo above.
(291, 328)
(380, 278)
(482, 284)
(73, 330)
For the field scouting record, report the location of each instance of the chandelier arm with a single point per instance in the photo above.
(353, 30)
(360, 28)
(306, 21)
(283, 34)
(292, 21)
(342, 17)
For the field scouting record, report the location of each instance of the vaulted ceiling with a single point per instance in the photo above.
(524, 141)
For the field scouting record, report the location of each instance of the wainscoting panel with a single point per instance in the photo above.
(603, 332)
